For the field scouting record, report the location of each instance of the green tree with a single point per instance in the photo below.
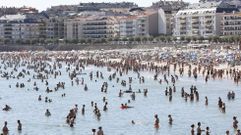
(82, 41)
(144, 39)
(89, 40)
(162, 38)
(231, 39)
(216, 39)
(18, 41)
(124, 39)
(138, 39)
(116, 39)
(168, 39)
(150, 38)
(182, 38)
(74, 41)
(110, 39)
(225, 39)
(131, 39)
(103, 40)
(194, 39)
(174, 39)
(188, 39)
(201, 39)
(210, 39)
(237, 39)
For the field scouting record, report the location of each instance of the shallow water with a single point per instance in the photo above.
(115, 121)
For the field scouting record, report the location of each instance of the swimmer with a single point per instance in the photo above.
(7, 108)
(47, 113)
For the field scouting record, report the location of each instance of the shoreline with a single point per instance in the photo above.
(70, 47)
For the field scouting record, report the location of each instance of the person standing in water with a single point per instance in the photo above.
(100, 131)
(170, 119)
(227, 132)
(156, 124)
(199, 129)
(19, 125)
(5, 128)
(235, 122)
(192, 130)
(238, 132)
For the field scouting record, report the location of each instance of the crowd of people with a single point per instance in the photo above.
(44, 66)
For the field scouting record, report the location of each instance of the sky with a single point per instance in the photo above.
(43, 4)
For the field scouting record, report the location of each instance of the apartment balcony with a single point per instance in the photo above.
(196, 26)
(195, 23)
(209, 32)
(183, 33)
(208, 17)
(95, 33)
(209, 22)
(96, 23)
(209, 27)
(8, 29)
(195, 19)
(95, 28)
(183, 27)
(7, 33)
(182, 18)
(183, 22)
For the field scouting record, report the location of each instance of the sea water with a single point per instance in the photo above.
(27, 108)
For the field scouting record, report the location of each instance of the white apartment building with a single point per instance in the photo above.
(231, 24)
(91, 27)
(16, 28)
(134, 26)
(74, 28)
(197, 22)
(201, 20)
(100, 27)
